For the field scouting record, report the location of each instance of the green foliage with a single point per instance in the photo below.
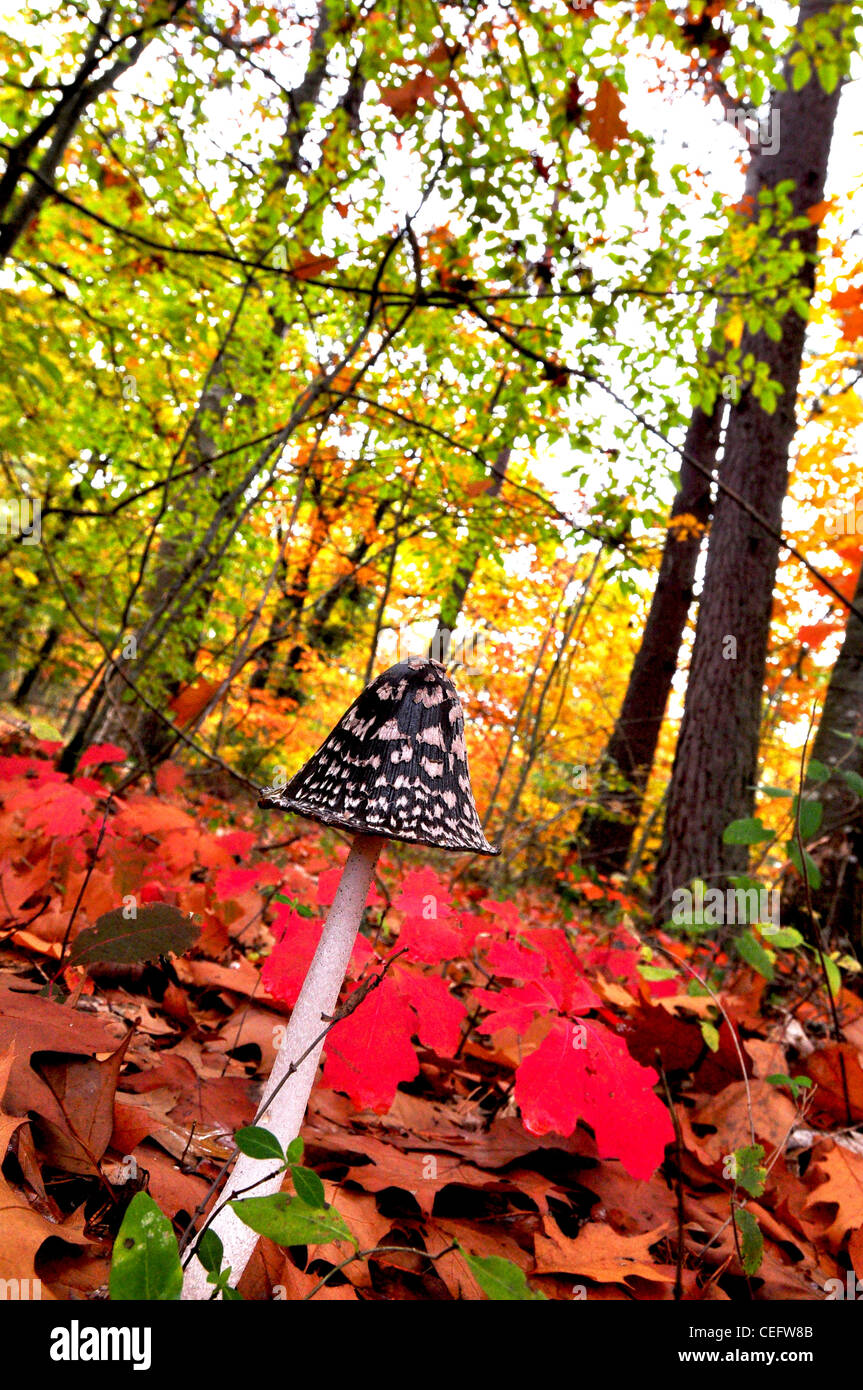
(751, 1240)
(749, 831)
(291, 1221)
(750, 1172)
(145, 1263)
(502, 1281)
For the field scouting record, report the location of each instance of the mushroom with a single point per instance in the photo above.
(394, 768)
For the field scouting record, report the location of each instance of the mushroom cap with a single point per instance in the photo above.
(395, 765)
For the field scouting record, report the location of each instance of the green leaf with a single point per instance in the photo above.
(852, 780)
(710, 1034)
(775, 791)
(796, 1084)
(749, 831)
(754, 954)
(300, 908)
(750, 1170)
(817, 772)
(501, 1280)
(751, 1240)
(145, 1263)
(657, 972)
(813, 873)
(157, 929)
(834, 976)
(811, 813)
(210, 1251)
(801, 73)
(294, 1151)
(781, 936)
(290, 1221)
(308, 1186)
(828, 76)
(255, 1142)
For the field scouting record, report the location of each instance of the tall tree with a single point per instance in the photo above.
(605, 834)
(715, 764)
(835, 779)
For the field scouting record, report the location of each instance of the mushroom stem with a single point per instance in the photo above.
(283, 1116)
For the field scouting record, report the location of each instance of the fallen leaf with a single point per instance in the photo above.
(599, 1253)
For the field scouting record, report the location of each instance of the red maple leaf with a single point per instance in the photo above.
(429, 941)
(584, 1072)
(440, 1016)
(103, 753)
(516, 1007)
(370, 1052)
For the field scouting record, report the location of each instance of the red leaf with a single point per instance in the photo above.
(440, 1015)
(169, 776)
(813, 634)
(285, 967)
(61, 810)
(230, 883)
(430, 942)
(423, 895)
(103, 753)
(516, 962)
(238, 842)
(328, 882)
(578, 997)
(586, 1073)
(17, 766)
(517, 1008)
(370, 1051)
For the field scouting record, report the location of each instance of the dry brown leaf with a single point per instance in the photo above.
(599, 1253)
(84, 1091)
(842, 1185)
(825, 1066)
(772, 1117)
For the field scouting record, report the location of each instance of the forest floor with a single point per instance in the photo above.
(504, 1092)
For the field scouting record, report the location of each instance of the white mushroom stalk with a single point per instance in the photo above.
(394, 768)
(283, 1117)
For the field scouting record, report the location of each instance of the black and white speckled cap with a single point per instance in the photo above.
(394, 765)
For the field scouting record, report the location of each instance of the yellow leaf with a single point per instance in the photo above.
(734, 329)
(27, 577)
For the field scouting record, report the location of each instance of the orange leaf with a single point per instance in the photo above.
(813, 634)
(187, 705)
(844, 1187)
(848, 304)
(315, 265)
(819, 211)
(598, 1253)
(404, 100)
(605, 125)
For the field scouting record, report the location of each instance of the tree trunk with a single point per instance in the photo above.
(605, 834)
(839, 845)
(715, 766)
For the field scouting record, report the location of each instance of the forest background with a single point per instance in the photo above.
(525, 334)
